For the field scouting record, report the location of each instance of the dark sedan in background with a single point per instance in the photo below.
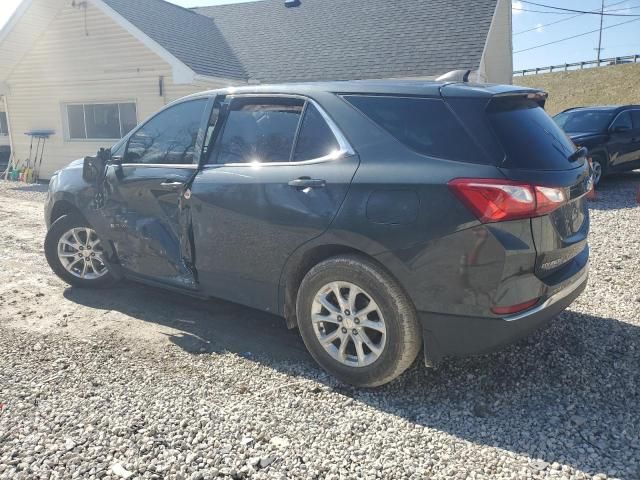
(611, 133)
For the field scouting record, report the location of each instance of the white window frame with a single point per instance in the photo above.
(5, 134)
(67, 128)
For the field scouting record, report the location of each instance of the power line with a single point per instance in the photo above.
(570, 18)
(585, 12)
(576, 36)
(539, 11)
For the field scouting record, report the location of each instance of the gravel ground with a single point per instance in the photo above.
(139, 383)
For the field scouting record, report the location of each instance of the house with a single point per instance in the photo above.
(91, 69)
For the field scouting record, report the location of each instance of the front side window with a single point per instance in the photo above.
(168, 138)
(4, 126)
(623, 122)
(259, 130)
(100, 121)
(635, 114)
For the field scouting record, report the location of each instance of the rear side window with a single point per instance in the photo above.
(423, 124)
(260, 131)
(530, 137)
(316, 139)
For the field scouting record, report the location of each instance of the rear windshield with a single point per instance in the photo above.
(530, 138)
(425, 125)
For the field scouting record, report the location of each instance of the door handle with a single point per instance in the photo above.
(306, 182)
(174, 185)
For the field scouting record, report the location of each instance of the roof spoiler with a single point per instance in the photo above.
(458, 76)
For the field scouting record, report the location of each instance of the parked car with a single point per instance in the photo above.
(376, 217)
(611, 133)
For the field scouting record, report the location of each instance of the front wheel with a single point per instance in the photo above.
(598, 168)
(357, 322)
(75, 253)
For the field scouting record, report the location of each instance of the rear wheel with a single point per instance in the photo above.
(357, 322)
(76, 254)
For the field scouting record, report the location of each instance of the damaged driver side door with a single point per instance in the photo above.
(143, 210)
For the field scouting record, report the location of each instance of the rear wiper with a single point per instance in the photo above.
(578, 154)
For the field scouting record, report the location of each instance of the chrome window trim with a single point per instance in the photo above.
(345, 148)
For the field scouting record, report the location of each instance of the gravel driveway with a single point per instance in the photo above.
(140, 383)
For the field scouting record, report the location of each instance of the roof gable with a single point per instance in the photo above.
(192, 38)
(342, 39)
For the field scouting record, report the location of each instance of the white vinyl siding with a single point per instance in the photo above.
(69, 64)
(99, 121)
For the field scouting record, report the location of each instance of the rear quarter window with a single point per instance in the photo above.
(425, 125)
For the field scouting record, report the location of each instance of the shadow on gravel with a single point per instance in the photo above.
(618, 191)
(30, 187)
(569, 393)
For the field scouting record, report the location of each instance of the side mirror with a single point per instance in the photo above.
(94, 168)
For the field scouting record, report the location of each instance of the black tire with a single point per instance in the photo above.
(403, 333)
(59, 228)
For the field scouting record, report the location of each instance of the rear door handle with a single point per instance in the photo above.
(172, 184)
(306, 182)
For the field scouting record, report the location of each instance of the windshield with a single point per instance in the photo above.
(584, 121)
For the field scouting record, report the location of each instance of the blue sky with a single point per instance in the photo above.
(618, 41)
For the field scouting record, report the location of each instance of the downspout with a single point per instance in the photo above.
(10, 132)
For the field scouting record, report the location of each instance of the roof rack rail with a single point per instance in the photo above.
(455, 76)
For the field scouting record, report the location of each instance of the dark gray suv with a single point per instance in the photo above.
(376, 217)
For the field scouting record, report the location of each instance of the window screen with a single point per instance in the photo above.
(98, 121)
(169, 137)
(422, 124)
(315, 139)
(259, 130)
(4, 127)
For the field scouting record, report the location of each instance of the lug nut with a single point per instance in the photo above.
(347, 313)
(357, 320)
(355, 332)
(344, 330)
(340, 318)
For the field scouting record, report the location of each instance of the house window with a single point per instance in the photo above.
(4, 127)
(100, 121)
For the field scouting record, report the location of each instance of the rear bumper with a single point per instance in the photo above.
(448, 335)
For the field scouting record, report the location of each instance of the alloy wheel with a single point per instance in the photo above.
(81, 254)
(596, 172)
(349, 324)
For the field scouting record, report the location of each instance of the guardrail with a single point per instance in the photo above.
(603, 62)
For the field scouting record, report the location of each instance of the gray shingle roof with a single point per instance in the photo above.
(352, 39)
(320, 39)
(194, 39)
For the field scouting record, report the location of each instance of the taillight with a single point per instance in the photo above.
(510, 310)
(501, 200)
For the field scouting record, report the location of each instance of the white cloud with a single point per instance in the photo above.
(516, 7)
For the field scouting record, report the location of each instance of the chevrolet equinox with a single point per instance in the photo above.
(379, 218)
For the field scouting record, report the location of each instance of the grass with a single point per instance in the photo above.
(614, 85)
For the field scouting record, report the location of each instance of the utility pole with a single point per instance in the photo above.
(600, 38)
